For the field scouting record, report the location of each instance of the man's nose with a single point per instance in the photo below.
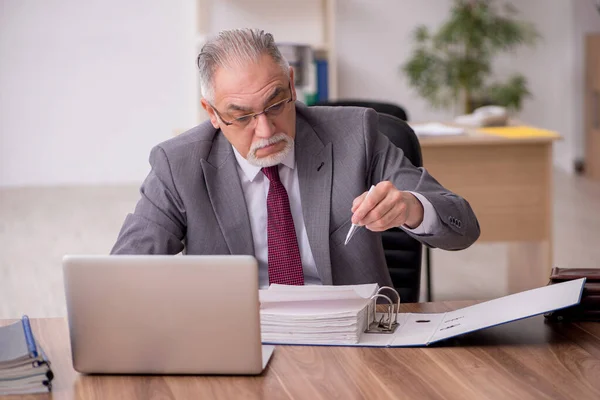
(264, 127)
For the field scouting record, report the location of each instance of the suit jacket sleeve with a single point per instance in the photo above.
(458, 228)
(158, 224)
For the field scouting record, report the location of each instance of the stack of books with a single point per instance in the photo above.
(314, 314)
(24, 368)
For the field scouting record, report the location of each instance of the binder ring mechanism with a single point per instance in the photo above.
(388, 322)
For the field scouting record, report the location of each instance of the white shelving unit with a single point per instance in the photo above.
(309, 22)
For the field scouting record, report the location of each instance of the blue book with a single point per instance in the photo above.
(322, 80)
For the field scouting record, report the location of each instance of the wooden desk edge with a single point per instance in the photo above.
(481, 139)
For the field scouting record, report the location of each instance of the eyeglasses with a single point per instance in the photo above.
(271, 111)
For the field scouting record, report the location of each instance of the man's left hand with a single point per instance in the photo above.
(387, 207)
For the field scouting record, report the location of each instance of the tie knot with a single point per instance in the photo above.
(272, 173)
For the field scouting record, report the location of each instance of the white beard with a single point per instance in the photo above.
(272, 159)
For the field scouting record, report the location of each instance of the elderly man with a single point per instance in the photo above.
(270, 177)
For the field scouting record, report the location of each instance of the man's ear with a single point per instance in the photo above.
(211, 113)
(292, 85)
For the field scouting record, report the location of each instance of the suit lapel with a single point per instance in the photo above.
(314, 162)
(227, 198)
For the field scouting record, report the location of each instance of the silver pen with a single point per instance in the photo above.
(355, 227)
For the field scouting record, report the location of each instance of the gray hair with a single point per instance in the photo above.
(235, 48)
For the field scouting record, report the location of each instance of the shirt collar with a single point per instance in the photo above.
(252, 170)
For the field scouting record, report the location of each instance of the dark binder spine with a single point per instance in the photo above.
(29, 337)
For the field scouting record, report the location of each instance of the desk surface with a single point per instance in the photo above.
(527, 359)
(474, 137)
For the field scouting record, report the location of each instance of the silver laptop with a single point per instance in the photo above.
(164, 314)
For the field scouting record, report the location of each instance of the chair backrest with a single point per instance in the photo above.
(385, 108)
(403, 254)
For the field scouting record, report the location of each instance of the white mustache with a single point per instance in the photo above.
(272, 159)
(278, 137)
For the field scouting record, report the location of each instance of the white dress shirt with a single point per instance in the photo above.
(255, 186)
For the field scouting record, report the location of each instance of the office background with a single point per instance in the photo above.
(87, 88)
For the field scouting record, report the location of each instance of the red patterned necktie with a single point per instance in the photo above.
(285, 265)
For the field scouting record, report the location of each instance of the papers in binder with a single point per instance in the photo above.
(342, 317)
(314, 314)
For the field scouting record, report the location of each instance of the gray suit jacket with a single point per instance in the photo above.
(192, 199)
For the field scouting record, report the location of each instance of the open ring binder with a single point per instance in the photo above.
(357, 322)
(384, 325)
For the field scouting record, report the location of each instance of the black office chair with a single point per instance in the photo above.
(385, 108)
(402, 252)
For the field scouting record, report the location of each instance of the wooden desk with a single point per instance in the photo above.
(508, 182)
(528, 359)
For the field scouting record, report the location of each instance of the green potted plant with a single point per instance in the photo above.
(453, 65)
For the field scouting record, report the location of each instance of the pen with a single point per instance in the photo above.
(355, 227)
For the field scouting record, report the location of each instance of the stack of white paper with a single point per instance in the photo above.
(436, 129)
(314, 314)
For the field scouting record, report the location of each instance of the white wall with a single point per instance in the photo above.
(549, 69)
(374, 39)
(586, 20)
(88, 87)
